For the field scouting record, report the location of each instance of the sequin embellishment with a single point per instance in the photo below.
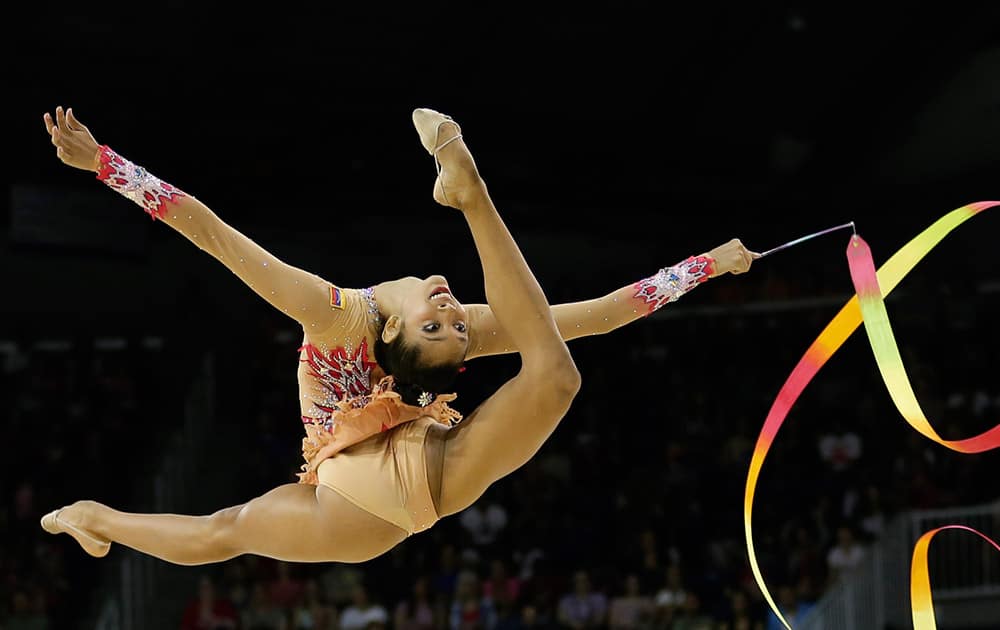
(670, 283)
(136, 183)
(338, 375)
(369, 295)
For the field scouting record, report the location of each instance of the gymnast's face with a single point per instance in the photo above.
(433, 320)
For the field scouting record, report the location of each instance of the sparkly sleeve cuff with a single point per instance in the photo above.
(670, 283)
(136, 183)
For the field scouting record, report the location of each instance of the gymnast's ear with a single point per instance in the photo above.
(393, 327)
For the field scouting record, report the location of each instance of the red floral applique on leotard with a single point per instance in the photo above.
(338, 375)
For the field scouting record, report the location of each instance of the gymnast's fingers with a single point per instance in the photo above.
(742, 262)
(61, 118)
(74, 124)
(49, 125)
(56, 136)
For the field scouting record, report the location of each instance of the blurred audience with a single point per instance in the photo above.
(583, 607)
(847, 554)
(631, 609)
(362, 613)
(207, 611)
(418, 611)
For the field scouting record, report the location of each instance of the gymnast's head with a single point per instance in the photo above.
(424, 343)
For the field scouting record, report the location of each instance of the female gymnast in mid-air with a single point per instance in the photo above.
(385, 456)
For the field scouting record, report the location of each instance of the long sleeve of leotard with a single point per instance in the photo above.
(305, 297)
(599, 315)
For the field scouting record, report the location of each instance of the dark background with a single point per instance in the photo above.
(768, 121)
(615, 140)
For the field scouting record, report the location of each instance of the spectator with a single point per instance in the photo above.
(311, 612)
(806, 557)
(261, 613)
(236, 584)
(501, 587)
(631, 609)
(650, 560)
(691, 617)
(792, 609)
(339, 583)
(469, 611)
(807, 590)
(445, 579)
(363, 614)
(208, 612)
(846, 555)
(417, 612)
(821, 521)
(284, 589)
(739, 616)
(671, 597)
(584, 607)
(872, 513)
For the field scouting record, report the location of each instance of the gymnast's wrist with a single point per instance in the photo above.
(712, 265)
(136, 183)
(670, 283)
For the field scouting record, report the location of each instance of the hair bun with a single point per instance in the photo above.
(409, 392)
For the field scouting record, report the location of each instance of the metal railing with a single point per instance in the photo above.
(876, 594)
(128, 599)
(962, 564)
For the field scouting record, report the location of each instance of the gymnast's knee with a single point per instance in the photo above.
(570, 379)
(561, 377)
(220, 532)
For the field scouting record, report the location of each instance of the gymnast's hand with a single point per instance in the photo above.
(732, 257)
(74, 144)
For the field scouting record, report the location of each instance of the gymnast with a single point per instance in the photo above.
(385, 455)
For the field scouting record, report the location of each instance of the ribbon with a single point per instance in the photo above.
(868, 306)
(920, 580)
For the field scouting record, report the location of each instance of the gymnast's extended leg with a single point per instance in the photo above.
(293, 522)
(508, 429)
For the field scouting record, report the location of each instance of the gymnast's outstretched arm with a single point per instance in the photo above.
(301, 295)
(623, 306)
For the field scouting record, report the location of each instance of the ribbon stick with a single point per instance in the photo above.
(871, 287)
(803, 239)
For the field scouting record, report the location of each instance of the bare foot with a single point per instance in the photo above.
(458, 182)
(74, 520)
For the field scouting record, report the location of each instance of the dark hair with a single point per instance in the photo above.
(402, 361)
